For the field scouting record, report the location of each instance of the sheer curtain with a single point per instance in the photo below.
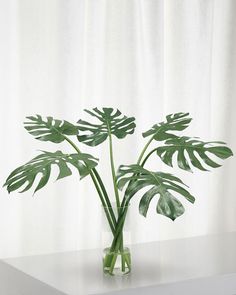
(146, 57)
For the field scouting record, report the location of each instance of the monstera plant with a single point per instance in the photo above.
(128, 180)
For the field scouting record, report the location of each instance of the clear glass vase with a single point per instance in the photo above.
(116, 242)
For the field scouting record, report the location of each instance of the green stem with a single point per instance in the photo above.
(144, 150)
(113, 170)
(119, 226)
(117, 245)
(72, 144)
(103, 203)
(117, 242)
(125, 201)
(122, 256)
(138, 163)
(116, 194)
(107, 207)
(147, 156)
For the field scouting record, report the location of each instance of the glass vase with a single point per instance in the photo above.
(116, 242)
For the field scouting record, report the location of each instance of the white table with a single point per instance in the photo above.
(199, 265)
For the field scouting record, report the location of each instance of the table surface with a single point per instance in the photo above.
(198, 265)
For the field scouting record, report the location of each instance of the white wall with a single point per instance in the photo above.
(147, 58)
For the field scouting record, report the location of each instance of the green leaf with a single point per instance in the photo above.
(162, 184)
(111, 122)
(24, 176)
(174, 122)
(50, 129)
(192, 152)
(169, 206)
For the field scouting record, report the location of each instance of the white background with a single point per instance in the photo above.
(146, 57)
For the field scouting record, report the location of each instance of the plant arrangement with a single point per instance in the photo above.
(128, 180)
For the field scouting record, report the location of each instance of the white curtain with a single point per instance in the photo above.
(148, 58)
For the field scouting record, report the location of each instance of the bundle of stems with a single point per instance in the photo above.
(116, 224)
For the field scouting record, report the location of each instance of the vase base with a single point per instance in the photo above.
(116, 263)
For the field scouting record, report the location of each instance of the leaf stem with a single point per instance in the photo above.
(106, 209)
(125, 201)
(147, 156)
(144, 150)
(107, 206)
(113, 169)
(138, 163)
(72, 144)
